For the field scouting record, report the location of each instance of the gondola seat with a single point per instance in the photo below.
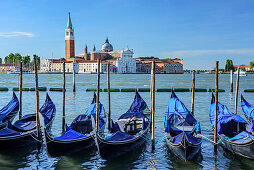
(26, 123)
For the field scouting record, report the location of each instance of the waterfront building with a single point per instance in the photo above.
(170, 66)
(244, 67)
(9, 67)
(52, 65)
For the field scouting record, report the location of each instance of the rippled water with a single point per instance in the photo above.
(143, 158)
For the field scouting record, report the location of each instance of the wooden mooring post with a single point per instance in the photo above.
(20, 90)
(74, 81)
(109, 111)
(37, 98)
(231, 80)
(98, 96)
(153, 99)
(193, 92)
(216, 106)
(63, 121)
(236, 90)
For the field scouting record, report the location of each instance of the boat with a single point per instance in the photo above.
(241, 73)
(79, 135)
(128, 133)
(182, 130)
(233, 131)
(24, 132)
(8, 112)
(18, 72)
(247, 109)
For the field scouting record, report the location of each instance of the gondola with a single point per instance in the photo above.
(23, 132)
(181, 130)
(127, 133)
(8, 112)
(247, 109)
(78, 136)
(232, 131)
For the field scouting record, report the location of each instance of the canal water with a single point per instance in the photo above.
(144, 157)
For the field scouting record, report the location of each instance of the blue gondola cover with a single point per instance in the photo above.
(177, 114)
(70, 135)
(242, 135)
(136, 109)
(86, 118)
(191, 139)
(27, 122)
(120, 136)
(250, 127)
(8, 132)
(12, 106)
(247, 108)
(229, 124)
(47, 110)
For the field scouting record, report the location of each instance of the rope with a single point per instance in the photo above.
(199, 135)
(219, 141)
(150, 140)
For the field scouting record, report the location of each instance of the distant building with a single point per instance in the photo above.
(245, 67)
(9, 67)
(171, 66)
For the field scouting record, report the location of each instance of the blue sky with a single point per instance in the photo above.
(198, 31)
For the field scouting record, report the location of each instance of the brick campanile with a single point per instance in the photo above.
(69, 40)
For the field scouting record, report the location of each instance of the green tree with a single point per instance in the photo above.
(62, 59)
(0, 60)
(26, 61)
(17, 58)
(251, 64)
(9, 59)
(229, 65)
(150, 57)
(37, 62)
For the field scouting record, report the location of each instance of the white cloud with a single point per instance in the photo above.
(190, 53)
(15, 34)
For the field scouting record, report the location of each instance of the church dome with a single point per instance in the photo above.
(107, 46)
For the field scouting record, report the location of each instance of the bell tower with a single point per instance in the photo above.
(69, 40)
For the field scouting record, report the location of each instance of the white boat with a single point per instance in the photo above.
(241, 72)
(18, 72)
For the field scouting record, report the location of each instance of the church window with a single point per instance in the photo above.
(67, 33)
(71, 33)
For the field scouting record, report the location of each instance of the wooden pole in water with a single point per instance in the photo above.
(216, 106)
(74, 83)
(37, 98)
(98, 97)
(231, 80)
(193, 92)
(63, 121)
(153, 98)
(20, 90)
(236, 90)
(109, 111)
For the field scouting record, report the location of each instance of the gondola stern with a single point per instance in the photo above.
(173, 95)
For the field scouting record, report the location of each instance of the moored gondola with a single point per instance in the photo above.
(23, 132)
(247, 109)
(127, 133)
(181, 130)
(8, 112)
(78, 136)
(232, 132)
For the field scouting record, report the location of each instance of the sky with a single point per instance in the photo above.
(200, 32)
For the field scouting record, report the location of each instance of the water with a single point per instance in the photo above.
(143, 158)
